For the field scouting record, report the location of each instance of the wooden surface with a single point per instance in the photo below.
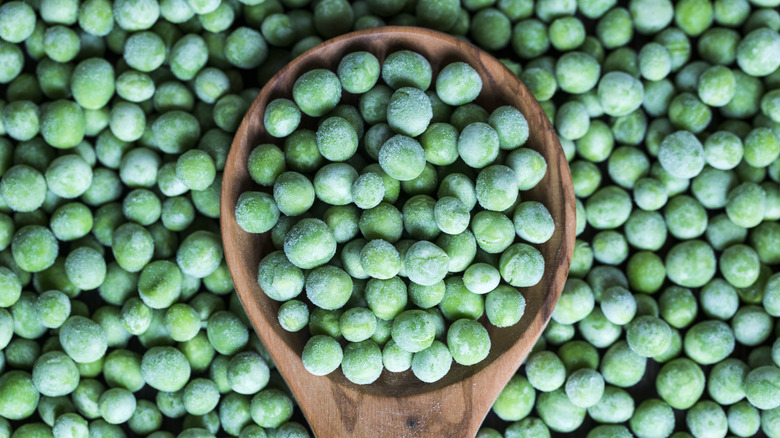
(399, 405)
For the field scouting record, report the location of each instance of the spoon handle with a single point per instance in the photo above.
(452, 411)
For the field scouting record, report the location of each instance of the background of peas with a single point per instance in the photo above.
(117, 118)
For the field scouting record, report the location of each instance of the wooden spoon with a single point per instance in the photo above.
(398, 404)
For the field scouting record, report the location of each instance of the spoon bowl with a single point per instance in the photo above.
(398, 404)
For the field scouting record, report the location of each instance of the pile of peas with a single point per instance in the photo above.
(384, 264)
(117, 312)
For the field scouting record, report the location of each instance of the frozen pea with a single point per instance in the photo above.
(529, 38)
(685, 217)
(619, 93)
(510, 125)
(481, 278)
(381, 222)
(380, 259)
(468, 341)
(328, 287)
(426, 297)
(646, 230)
(34, 248)
(529, 167)
(195, 169)
(709, 342)
(321, 355)
(333, 183)
(386, 298)
(17, 21)
(516, 400)
(608, 208)
(246, 48)
(433, 363)
(690, 263)
(85, 268)
(627, 164)
(357, 324)
(648, 336)
(24, 188)
(452, 217)
(60, 43)
(654, 62)
(247, 373)
(615, 406)
(402, 158)
(557, 333)
(55, 374)
(578, 73)
(540, 82)
(419, 217)
(618, 305)
(504, 306)
(566, 33)
(316, 92)
(757, 52)
(83, 340)
(545, 371)
(300, 151)
(69, 176)
(533, 222)
(425, 263)
(413, 330)
(165, 369)
(358, 72)
(752, 325)
(19, 395)
(761, 147)
(711, 187)
(726, 381)
(652, 418)
(281, 117)
(395, 358)
(771, 298)
(680, 383)
(439, 141)
(406, 68)
(706, 419)
(621, 366)
(682, 155)
(409, 111)
(496, 188)
(584, 387)
(458, 83)
(256, 212)
(458, 302)
(558, 412)
(743, 419)
(739, 265)
(337, 140)
(362, 362)
(478, 144)
(722, 232)
(572, 120)
(13, 62)
(467, 114)
(21, 119)
(117, 405)
(746, 204)
(132, 15)
(521, 265)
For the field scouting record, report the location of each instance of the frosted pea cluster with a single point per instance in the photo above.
(397, 219)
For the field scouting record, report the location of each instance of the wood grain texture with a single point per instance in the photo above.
(399, 405)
